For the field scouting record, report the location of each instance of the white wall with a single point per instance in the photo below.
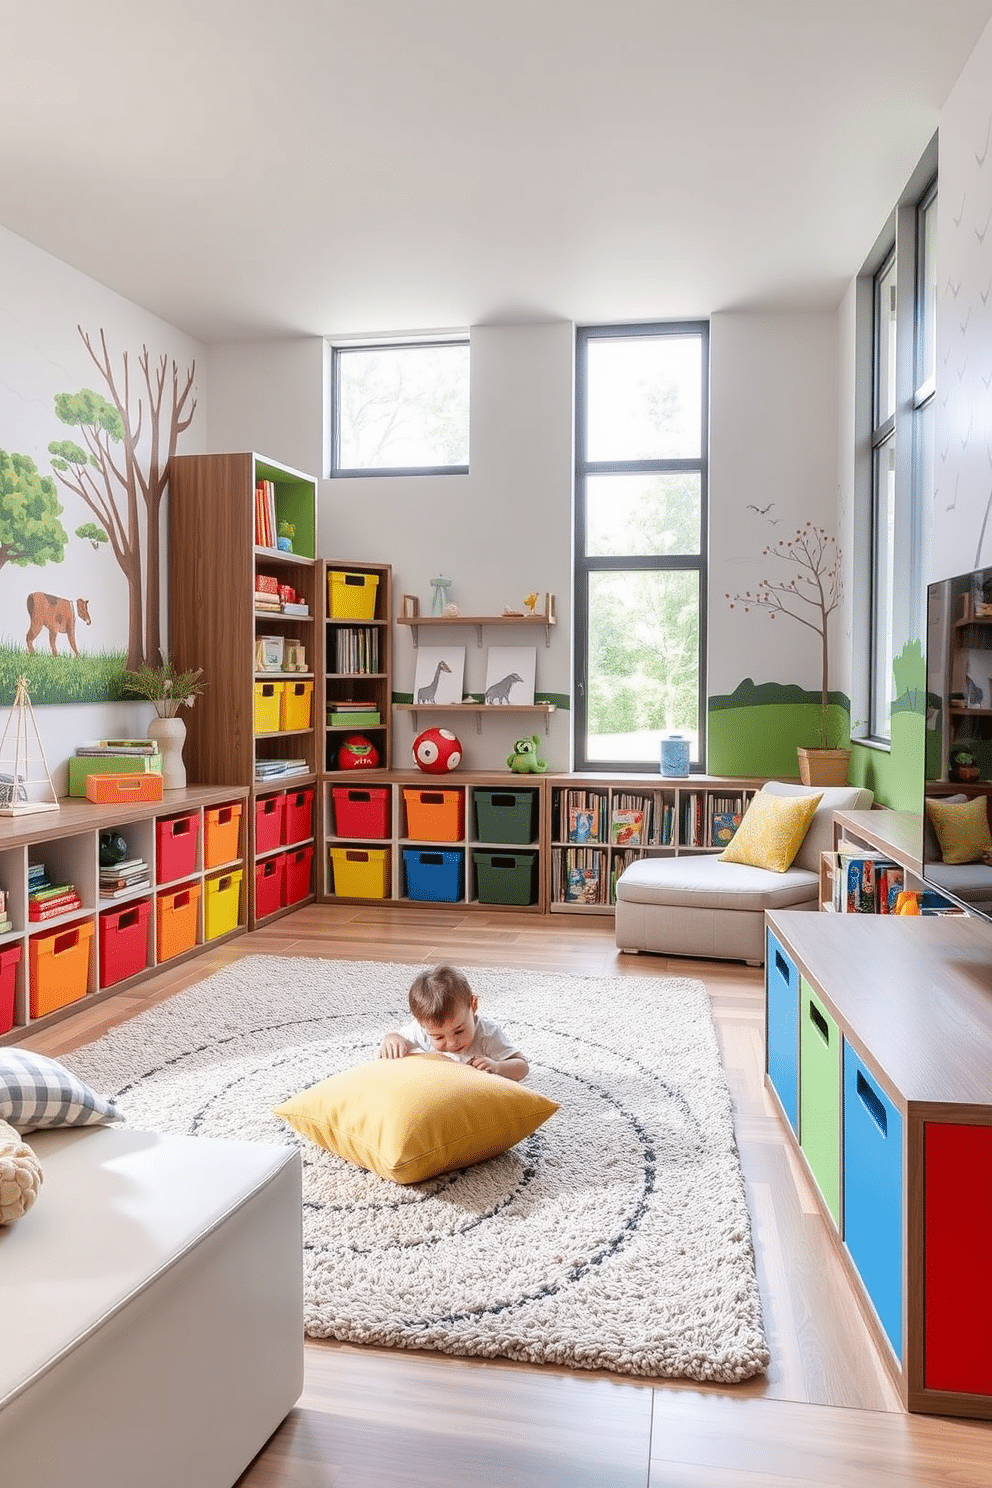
(773, 444)
(43, 305)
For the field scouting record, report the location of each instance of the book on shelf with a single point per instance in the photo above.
(856, 879)
(271, 768)
(100, 747)
(627, 827)
(265, 514)
(6, 925)
(124, 866)
(338, 718)
(295, 608)
(585, 877)
(51, 908)
(128, 888)
(45, 890)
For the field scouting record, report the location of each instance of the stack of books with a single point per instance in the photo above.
(124, 878)
(265, 514)
(119, 748)
(267, 594)
(351, 713)
(266, 769)
(47, 900)
(6, 923)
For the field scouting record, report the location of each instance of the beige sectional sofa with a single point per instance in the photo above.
(697, 905)
(152, 1310)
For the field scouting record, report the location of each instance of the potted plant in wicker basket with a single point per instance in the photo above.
(809, 597)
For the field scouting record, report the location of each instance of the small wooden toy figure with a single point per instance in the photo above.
(440, 587)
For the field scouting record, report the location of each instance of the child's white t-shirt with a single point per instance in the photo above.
(489, 1041)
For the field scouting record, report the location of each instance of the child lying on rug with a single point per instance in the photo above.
(444, 1009)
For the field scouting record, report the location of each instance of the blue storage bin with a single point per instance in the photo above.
(873, 1192)
(782, 1032)
(435, 875)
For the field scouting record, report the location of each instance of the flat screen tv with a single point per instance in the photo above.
(957, 789)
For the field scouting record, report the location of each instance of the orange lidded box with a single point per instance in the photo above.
(119, 789)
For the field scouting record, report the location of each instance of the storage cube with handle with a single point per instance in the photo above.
(819, 1095)
(873, 1191)
(782, 1030)
(59, 967)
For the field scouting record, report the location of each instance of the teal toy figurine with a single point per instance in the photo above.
(524, 760)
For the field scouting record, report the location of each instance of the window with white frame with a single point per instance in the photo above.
(903, 323)
(400, 408)
(640, 542)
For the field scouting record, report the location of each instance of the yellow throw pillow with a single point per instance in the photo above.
(962, 829)
(771, 831)
(409, 1119)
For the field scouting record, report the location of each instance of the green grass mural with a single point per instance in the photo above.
(93, 677)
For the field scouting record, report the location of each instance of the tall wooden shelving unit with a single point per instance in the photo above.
(213, 624)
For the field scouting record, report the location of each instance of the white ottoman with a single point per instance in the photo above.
(696, 905)
(152, 1306)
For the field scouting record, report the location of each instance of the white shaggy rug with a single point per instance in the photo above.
(616, 1237)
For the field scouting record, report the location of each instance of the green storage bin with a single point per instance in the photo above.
(820, 1055)
(506, 878)
(112, 764)
(506, 815)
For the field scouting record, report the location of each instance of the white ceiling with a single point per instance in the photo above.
(249, 168)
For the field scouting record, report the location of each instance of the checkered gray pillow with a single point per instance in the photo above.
(36, 1092)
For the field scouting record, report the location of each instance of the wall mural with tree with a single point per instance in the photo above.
(112, 478)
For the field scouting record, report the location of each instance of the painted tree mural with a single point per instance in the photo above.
(30, 530)
(120, 470)
(809, 596)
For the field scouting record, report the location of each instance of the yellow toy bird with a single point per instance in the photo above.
(531, 601)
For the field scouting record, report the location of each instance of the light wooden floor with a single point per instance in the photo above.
(826, 1413)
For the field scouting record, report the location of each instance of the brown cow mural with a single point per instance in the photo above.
(57, 616)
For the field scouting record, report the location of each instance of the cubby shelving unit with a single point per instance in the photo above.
(357, 656)
(247, 717)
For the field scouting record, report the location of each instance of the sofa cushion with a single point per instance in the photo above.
(37, 1092)
(771, 831)
(962, 829)
(820, 836)
(706, 882)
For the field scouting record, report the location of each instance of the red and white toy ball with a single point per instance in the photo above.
(436, 751)
(357, 753)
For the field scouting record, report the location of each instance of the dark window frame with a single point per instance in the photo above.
(586, 565)
(361, 472)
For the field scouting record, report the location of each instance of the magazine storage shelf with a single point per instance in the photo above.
(71, 958)
(600, 823)
(879, 1046)
(251, 615)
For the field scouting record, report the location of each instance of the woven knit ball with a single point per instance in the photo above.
(20, 1175)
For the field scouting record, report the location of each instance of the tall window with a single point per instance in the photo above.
(400, 409)
(903, 384)
(640, 542)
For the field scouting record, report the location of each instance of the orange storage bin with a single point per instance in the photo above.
(435, 816)
(270, 878)
(9, 959)
(295, 705)
(120, 789)
(221, 834)
(176, 839)
(59, 967)
(176, 921)
(123, 942)
(297, 823)
(270, 813)
(297, 875)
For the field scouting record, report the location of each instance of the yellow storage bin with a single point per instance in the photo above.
(351, 596)
(268, 706)
(221, 901)
(360, 873)
(297, 700)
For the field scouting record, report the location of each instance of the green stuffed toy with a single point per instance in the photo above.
(524, 760)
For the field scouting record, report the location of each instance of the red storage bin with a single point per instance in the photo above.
(360, 813)
(270, 813)
(297, 875)
(123, 941)
(177, 838)
(9, 957)
(270, 879)
(297, 823)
